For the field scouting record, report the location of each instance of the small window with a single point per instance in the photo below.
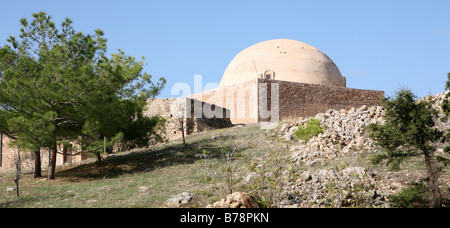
(269, 74)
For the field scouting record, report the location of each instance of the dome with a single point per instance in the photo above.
(286, 60)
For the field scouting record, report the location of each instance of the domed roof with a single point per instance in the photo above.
(286, 60)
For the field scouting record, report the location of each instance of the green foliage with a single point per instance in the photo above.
(263, 202)
(313, 128)
(394, 163)
(447, 83)
(415, 196)
(143, 132)
(272, 172)
(408, 129)
(444, 161)
(392, 160)
(377, 159)
(229, 169)
(339, 195)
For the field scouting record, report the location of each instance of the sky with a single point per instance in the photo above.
(377, 44)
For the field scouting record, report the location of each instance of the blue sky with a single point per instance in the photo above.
(378, 44)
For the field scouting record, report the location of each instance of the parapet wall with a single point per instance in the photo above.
(307, 100)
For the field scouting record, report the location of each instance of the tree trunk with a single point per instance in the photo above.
(18, 163)
(184, 140)
(182, 127)
(433, 184)
(37, 163)
(52, 168)
(17, 187)
(99, 157)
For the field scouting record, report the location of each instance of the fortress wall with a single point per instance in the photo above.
(159, 106)
(194, 120)
(162, 107)
(295, 99)
(307, 100)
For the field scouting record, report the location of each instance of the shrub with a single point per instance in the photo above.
(415, 196)
(313, 128)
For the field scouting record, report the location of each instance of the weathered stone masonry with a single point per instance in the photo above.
(294, 99)
(8, 153)
(194, 117)
(307, 100)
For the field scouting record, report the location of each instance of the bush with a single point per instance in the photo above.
(415, 196)
(313, 128)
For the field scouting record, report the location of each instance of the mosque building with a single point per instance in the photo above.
(269, 82)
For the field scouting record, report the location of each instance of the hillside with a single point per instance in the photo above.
(333, 169)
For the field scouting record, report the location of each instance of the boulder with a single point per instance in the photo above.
(236, 200)
(179, 200)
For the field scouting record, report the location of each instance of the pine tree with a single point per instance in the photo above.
(408, 131)
(55, 83)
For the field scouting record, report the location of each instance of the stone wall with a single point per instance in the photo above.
(193, 114)
(307, 100)
(252, 102)
(8, 153)
(162, 107)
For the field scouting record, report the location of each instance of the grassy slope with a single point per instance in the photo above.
(143, 178)
(147, 178)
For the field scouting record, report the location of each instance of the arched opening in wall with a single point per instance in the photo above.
(269, 74)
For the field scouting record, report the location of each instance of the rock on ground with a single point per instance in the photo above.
(179, 200)
(236, 200)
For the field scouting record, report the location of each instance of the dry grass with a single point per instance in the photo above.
(141, 178)
(148, 177)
